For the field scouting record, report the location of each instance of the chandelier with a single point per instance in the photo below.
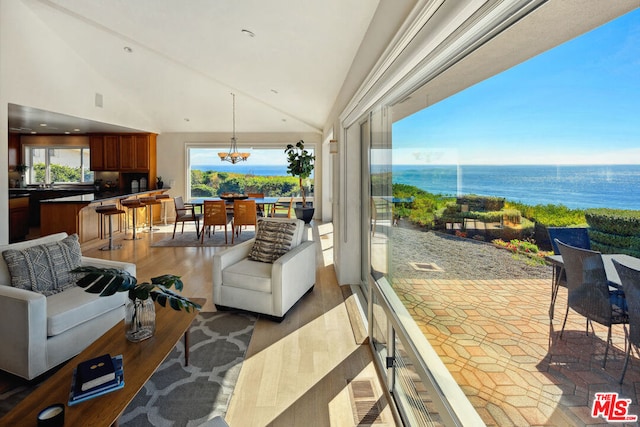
(233, 156)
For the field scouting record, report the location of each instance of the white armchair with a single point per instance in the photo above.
(39, 332)
(262, 287)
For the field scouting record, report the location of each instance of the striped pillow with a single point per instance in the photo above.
(273, 239)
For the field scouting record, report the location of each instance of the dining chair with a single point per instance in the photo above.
(259, 206)
(215, 214)
(185, 213)
(577, 237)
(630, 279)
(282, 209)
(244, 213)
(589, 292)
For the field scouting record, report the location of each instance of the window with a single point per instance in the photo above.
(264, 172)
(58, 164)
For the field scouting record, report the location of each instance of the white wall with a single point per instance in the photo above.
(37, 69)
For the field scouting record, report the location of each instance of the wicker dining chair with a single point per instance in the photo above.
(244, 213)
(282, 209)
(588, 291)
(259, 206)
(630, 278)
(215, 214)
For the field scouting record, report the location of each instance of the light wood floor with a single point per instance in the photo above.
(296, 373)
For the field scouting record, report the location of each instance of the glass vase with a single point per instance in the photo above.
(140, 319)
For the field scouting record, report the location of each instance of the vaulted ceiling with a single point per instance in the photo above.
(179, 61)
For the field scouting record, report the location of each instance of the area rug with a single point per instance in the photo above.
(189, 238)
(178, 395)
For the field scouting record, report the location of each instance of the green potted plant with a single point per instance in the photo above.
(140, 310)
(301, 166)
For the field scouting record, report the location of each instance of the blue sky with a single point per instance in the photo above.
(576, 104)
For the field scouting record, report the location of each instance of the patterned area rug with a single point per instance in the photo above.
(178, 395)
(189, 238)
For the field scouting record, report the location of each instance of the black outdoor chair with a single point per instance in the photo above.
(630, 278)
(589, 291)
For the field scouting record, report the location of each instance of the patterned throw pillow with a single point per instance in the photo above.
(273, 239)
(45, 268)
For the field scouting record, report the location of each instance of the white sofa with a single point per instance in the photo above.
(38, 332)
(260, 287)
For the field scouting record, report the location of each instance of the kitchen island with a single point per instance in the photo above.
(77, 214)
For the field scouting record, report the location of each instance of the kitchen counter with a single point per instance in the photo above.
(77, 214)
(102, 196)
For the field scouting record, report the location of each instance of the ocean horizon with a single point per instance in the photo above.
(574, 186)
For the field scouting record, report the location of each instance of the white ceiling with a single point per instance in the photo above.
(187, 57)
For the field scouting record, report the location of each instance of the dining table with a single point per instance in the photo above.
(613, 278)
(264, 202)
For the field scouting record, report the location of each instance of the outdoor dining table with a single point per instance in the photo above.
(607, 259)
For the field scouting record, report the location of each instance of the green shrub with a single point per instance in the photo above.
(615, 240)
(550, 215)
(614, 221)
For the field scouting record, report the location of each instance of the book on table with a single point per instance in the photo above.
(94, 372)
(78, 395)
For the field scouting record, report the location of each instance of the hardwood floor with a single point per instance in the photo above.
(296, 373)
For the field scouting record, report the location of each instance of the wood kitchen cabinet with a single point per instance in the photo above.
(18, 218)
(105, 152)
(134, 153)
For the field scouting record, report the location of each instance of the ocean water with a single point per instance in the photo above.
(612, 186)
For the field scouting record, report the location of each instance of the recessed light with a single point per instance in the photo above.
(128, 49)
(248, 33)
(33, 132)
(76, 130)
(67, 133)
(43, 124)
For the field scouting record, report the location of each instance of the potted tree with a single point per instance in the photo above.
(301, 166)
(140, 311)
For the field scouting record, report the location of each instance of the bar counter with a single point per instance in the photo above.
(76, 214)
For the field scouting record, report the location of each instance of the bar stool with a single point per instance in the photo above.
(148, 202)
(110, 211)
(164, 199)
(134, 204)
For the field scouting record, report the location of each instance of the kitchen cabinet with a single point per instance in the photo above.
(18, 218)
(134, 153)
(105, 152)
(14, 151)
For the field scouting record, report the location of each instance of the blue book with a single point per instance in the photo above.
(77, 395)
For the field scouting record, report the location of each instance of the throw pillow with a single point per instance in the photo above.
(273, 239)
(45, 268)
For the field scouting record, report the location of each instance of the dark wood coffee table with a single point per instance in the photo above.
(140, 360)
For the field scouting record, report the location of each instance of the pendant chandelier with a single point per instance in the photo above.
(233, 156)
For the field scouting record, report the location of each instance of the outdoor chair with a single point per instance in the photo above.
(215, 214)
(630, 278)
(573, 236)
(185, 213)
(589, 291)
(244, 213)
